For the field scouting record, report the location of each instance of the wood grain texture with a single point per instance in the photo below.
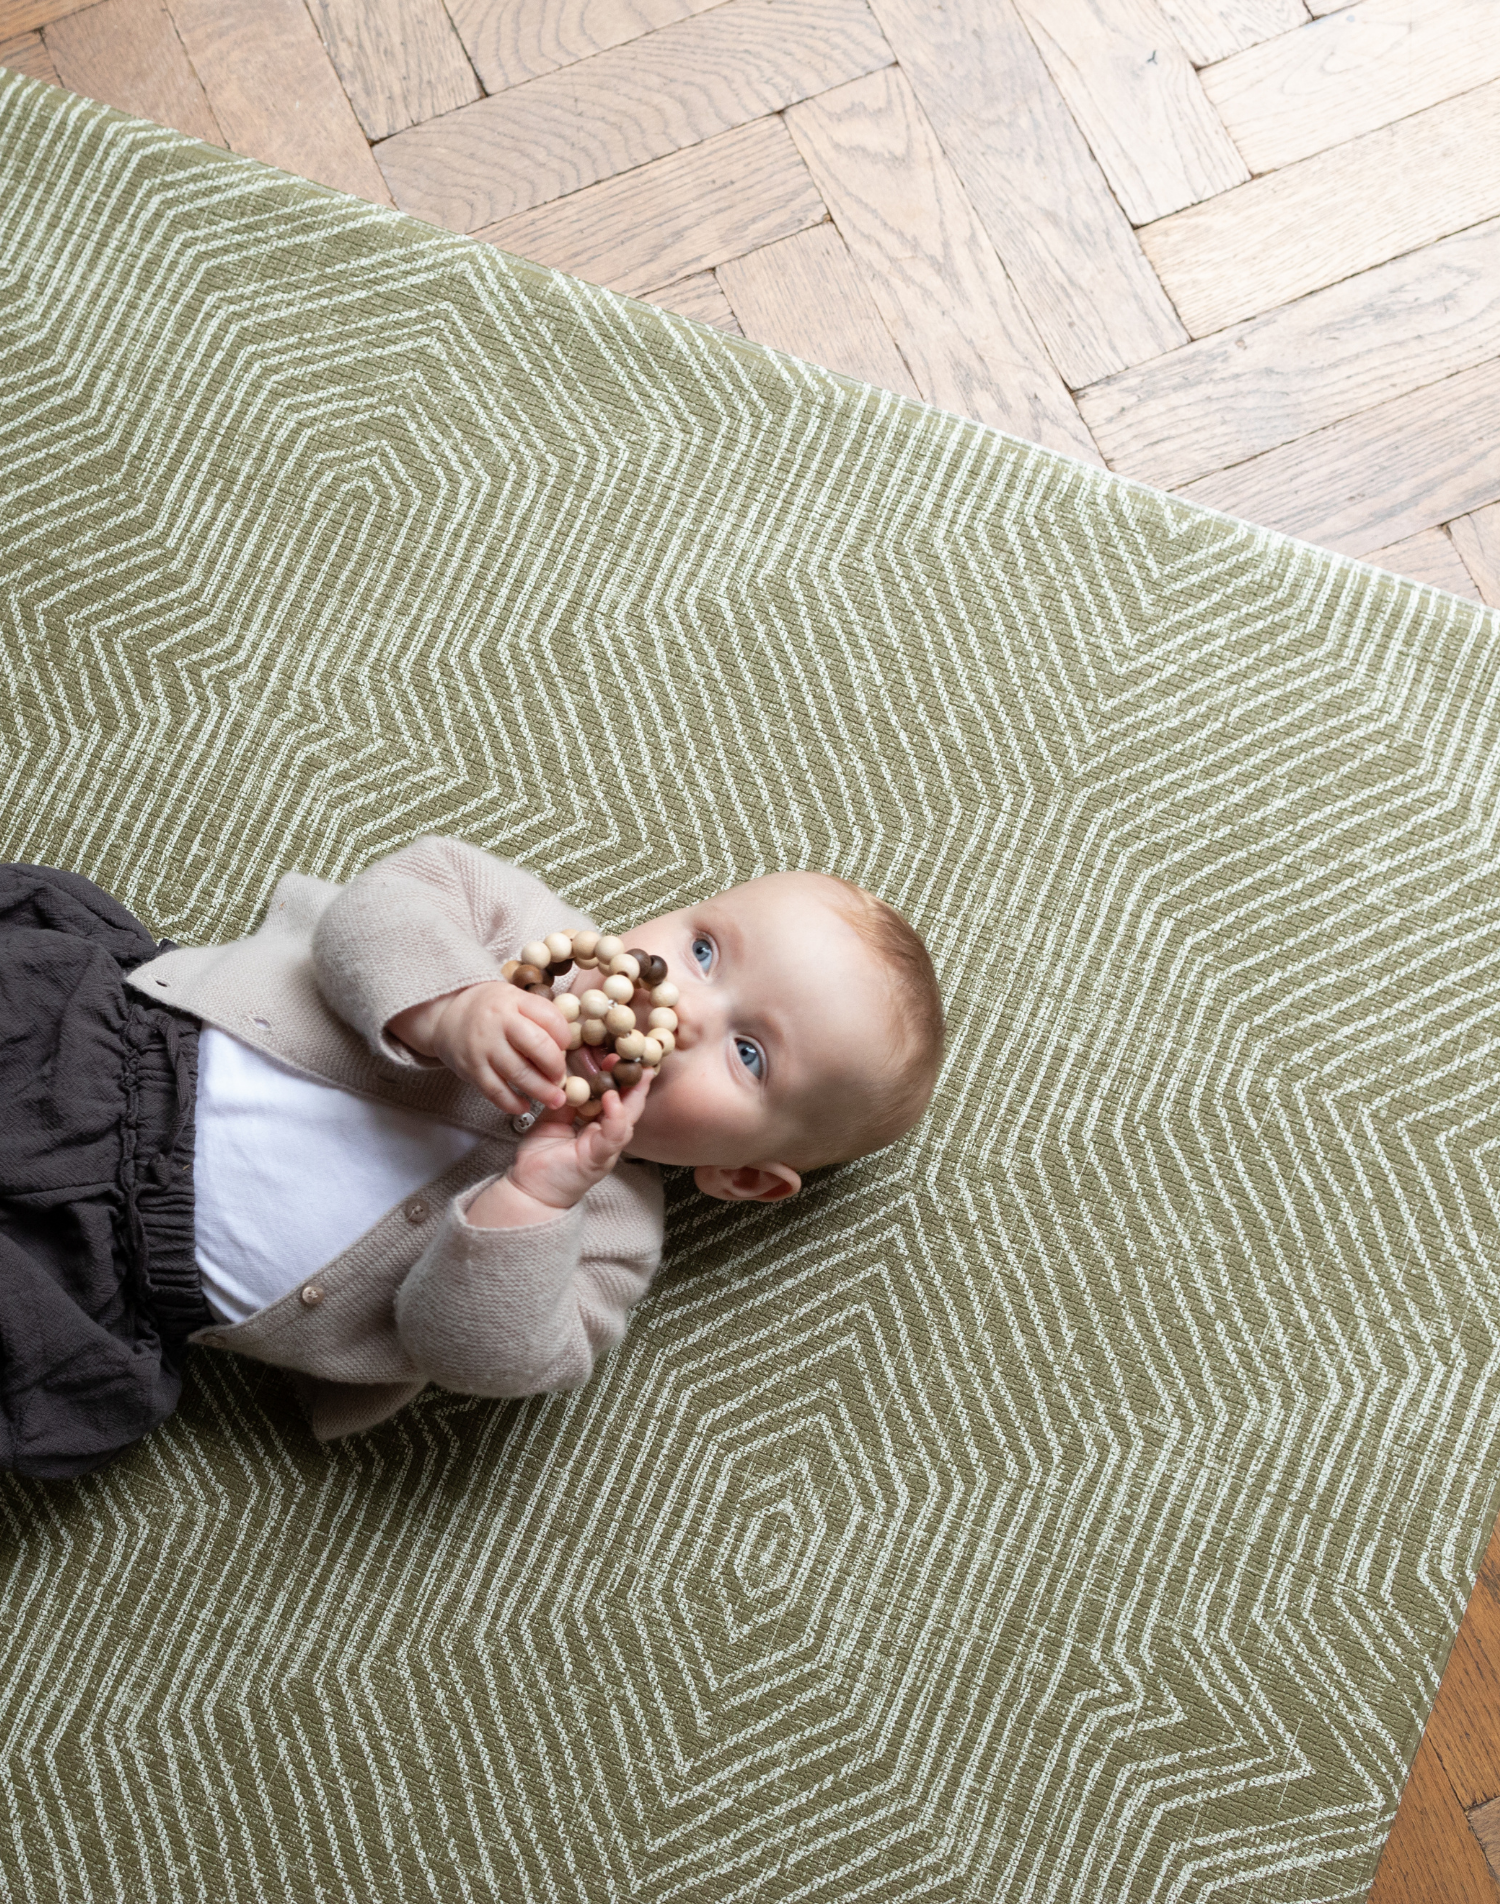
(127, 53)
(1431, 1856)
(1260, 383)
(274, 92)
(520, 39)
(1462, 1726)
(1327, 217)
(1379, 477)
(27, 16)
(699, 296)
(400, 61)
(1484, 1822)
(1350, 73)
(677, 216)
(1138, 102)
(932, 272)
(1477, 539)
(805, 295)
(628, 106)
(1036, 187)
(1428, 557)
(1213, 29)
(27, 54)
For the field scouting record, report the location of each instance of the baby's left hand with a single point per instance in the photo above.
(557, 1165)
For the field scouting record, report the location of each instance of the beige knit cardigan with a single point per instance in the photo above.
(424, 1296)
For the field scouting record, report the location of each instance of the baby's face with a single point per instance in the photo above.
(783, 1011)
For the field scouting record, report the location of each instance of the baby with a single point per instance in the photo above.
(340, 1145)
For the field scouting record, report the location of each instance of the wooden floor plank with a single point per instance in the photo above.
(400, 61)
(679, 215)
(1138, 102)
(1269, 379)
(1213, 29)
(1379, 477)
(1428, 557)
(627, 106)
(1431, 1856)
(1036, 187)
(127, 53)
(698, 296)
(514, 42)
(1350, 73)
(805, 295)
(932, 272)
(27, 54)
(274, 92)
(1462, 1726)
(1327, 217)
(1477, 539)
(26, 16)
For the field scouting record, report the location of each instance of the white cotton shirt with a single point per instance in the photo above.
(288, 1171)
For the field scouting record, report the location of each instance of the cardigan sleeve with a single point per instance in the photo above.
(435, 916)
(526, 1311)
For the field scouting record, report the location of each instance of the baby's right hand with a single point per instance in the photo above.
(510, 1044)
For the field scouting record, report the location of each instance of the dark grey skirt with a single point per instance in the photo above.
(98, 1283)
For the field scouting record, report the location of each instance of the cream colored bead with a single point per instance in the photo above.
(589, 1111)
(619, 1021)
(509, 967)
(662, 1015)
(665, 994)
(584, 944)
(535, 952)
(665, 1038)
(575, 1036)
(567, 1003)
(619, 989)
(594, 1004)
(593, 1031)
(609, 947)
(624, 966)
(651, 1052)
(560, 945)
(576, 1091)
(631, 1045)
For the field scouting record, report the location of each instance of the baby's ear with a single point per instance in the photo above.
(749, 1183)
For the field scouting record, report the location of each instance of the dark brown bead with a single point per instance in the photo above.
(599, 1084)
(658, 973)
(626, 1073)
(559, 966)
(542, 991)
(526, 976)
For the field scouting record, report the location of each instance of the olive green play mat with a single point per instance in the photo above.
(1076, 1502)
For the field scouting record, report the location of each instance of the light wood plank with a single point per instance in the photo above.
(274, 92)
(679, 215)
(27, 16)
(400, 60)
(1346, 75)
(26, 54)
(699, 296)
(1137, 99)
(1213, 29)
(628, 106)
(520, 39)
(1477, 539)
(1431, 1856)
(1034, 184)
(932, 272)
(127, 53)
(1428, 557)
(1378, 477)
(1327, 217)
(806, 296)
(1373, 337)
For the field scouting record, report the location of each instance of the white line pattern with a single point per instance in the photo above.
(1076, 1503)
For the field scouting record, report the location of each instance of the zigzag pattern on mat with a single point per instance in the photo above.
(1075, 1503)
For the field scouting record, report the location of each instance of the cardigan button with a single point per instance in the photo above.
(311, 1295)
(416, 1210)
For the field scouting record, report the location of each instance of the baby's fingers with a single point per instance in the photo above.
(541, 1044)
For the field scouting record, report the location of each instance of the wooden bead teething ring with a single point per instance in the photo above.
(603, 1018)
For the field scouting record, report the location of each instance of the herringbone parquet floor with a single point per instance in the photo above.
(1245, 250)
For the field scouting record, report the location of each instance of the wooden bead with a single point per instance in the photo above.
(575, 1036)
(544, 990)
(666, 1039)
(593, 1031)
(535, 952)
(568, 1005)
(576, 1090)
(599, 1083)
(507, 971)
(626, 1074)
(619, 988)
(653, 966)
(558, 967)
(664, 995)
(584, 944)
(588, 1112)
(594, 1003)
(651, 1052)
(662, 1015)
(609, 947)
(560, 944)
(619, 1020)
(632, 1044)
(526, 975)
(625, 965)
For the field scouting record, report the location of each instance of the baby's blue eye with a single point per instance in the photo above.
(703, 951)
(750, 1056)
